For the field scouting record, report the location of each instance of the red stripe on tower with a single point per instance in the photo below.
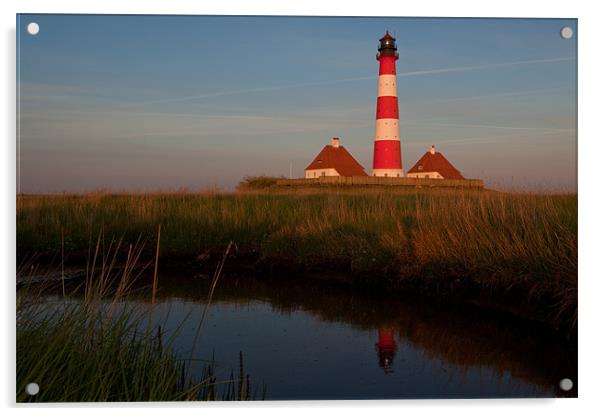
(387, 65)
(387, 147)
(386, 107)
(389, 158)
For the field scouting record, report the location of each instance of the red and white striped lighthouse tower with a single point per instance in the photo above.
(387, 148)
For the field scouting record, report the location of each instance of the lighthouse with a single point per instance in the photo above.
(387, 148)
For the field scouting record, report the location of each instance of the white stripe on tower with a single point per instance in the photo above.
(387, 129)
(387, 86)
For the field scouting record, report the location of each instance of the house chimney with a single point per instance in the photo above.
(432, 149)
(335, 142)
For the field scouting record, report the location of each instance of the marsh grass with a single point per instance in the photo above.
(502, 242)
(99, 348)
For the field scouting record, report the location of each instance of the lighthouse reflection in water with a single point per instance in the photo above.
(386, 347)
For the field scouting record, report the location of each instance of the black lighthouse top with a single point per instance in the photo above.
(387, 45)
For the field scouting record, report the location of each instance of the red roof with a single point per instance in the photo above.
(338, 158)
(436, 162)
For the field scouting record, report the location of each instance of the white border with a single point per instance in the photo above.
(590, 209)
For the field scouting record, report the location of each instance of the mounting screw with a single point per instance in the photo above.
(33, 28)
(566, 384)
(32, 389)
(566, 32)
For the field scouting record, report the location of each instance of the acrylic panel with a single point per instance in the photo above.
(295, 208)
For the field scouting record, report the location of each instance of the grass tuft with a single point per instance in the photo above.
(101, 349)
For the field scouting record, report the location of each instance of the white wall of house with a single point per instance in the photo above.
(316, 173)
(425, 175)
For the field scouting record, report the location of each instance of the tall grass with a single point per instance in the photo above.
(101, 349)
(525, 243)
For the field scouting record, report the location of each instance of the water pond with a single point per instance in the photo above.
(308, 340)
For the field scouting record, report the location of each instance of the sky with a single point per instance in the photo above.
(147, 103)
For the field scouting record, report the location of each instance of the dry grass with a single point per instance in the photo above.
(504, 242)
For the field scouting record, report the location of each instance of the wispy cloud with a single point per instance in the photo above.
(250, 90)
(482, 139)
(343, 80)
(485, 66)
(500, 94)
(493, 126)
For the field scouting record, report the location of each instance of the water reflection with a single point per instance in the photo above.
(318, 341)
(386, 348)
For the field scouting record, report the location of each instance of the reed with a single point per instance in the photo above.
(101, 349)
(155, 281)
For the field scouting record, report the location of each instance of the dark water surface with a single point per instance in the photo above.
(311, 340)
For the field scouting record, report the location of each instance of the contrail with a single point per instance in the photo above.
(490, 126)
(501, 94)
(251, 90)
(337, 81)
(485, 66)
(480, 139)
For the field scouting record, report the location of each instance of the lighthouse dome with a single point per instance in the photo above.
(387, 45)
(387, 36)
